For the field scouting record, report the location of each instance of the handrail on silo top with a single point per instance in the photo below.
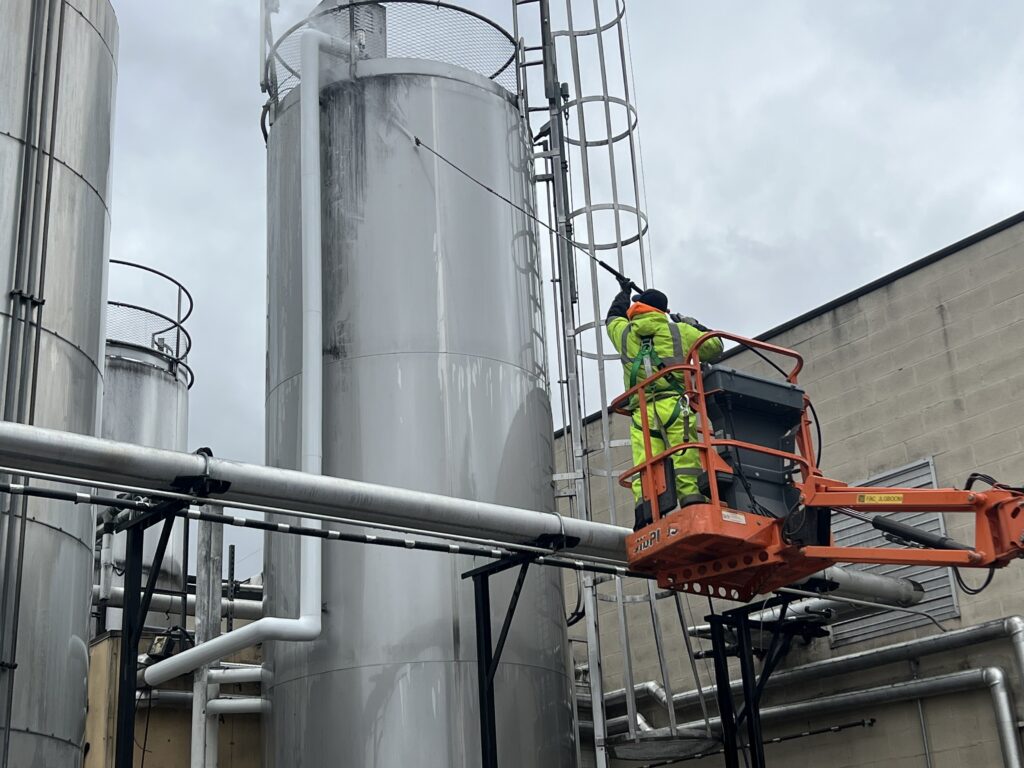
(145, 328)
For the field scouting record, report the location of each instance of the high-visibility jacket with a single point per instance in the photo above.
(669, 342)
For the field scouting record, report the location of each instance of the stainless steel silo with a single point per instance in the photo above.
(434, 379)
(57, 74)
(145, 401)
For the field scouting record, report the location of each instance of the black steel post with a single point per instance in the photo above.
(503, 635)
(484, 657)
(154, 572)
(750, 692)
(724, 691)
(128, 662)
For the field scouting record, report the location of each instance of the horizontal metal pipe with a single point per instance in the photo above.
(239, 609)
(992, 678)
(871, 586)
(822, 609)
(31, 448)
(237, 706)
(235, 676)
(616, 725)
(1011, 627)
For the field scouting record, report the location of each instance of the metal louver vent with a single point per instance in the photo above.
(940, 596)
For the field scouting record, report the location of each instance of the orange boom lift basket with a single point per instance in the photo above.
(731, 553)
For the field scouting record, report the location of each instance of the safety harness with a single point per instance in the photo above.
(648, 360)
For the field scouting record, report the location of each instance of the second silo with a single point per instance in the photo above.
(433, 380)
(145, 401)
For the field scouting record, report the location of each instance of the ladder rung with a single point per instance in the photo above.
(537, 63)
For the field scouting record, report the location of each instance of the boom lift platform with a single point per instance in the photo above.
(766, 523)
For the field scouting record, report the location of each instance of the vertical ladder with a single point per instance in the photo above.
(568, 144)
(553, 163)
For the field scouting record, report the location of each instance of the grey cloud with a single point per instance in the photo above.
(793, 150)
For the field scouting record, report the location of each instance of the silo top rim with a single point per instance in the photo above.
(393, 67)
(406, 30)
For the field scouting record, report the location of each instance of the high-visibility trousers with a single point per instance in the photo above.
(687, 463)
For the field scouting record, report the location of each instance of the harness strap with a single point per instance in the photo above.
(662, 428)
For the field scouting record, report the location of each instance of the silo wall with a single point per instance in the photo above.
(434, 380)
(55, 139)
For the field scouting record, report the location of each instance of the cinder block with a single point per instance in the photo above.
(939, 367)
(921, 323)
(929, 444)
(885, 459)
(1008, 286)
(997, 447)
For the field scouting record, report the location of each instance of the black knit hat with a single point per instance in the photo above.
(653, 298)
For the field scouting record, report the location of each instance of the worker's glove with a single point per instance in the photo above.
(678, 318)
(625, 284)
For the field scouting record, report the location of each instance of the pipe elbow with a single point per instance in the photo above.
(1014, 625)
(303, 629)
(656, 691)
(994, 677)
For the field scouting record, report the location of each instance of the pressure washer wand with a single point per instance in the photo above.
(618, 275)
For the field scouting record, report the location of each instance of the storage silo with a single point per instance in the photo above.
(57, 74)
(145, 401)
(434, 380)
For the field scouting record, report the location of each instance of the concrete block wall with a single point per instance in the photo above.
(930, 364)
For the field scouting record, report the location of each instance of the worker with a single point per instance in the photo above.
(647, 338)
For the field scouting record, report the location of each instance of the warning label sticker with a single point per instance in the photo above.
(880, 498)
(733, 517)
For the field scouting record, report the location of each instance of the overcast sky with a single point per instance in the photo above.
(793, 151)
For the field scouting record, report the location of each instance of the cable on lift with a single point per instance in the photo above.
(991, 481)
(855, 601)
(579, 611)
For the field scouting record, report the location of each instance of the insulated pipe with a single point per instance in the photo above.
(617, 725)
(236, 675)
(1011, 627)
(871, 586)
(35, 449)
(238, 706)
(160, 603)
(992, 678)
(312, 254)
(824, 610)
(307, 626)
